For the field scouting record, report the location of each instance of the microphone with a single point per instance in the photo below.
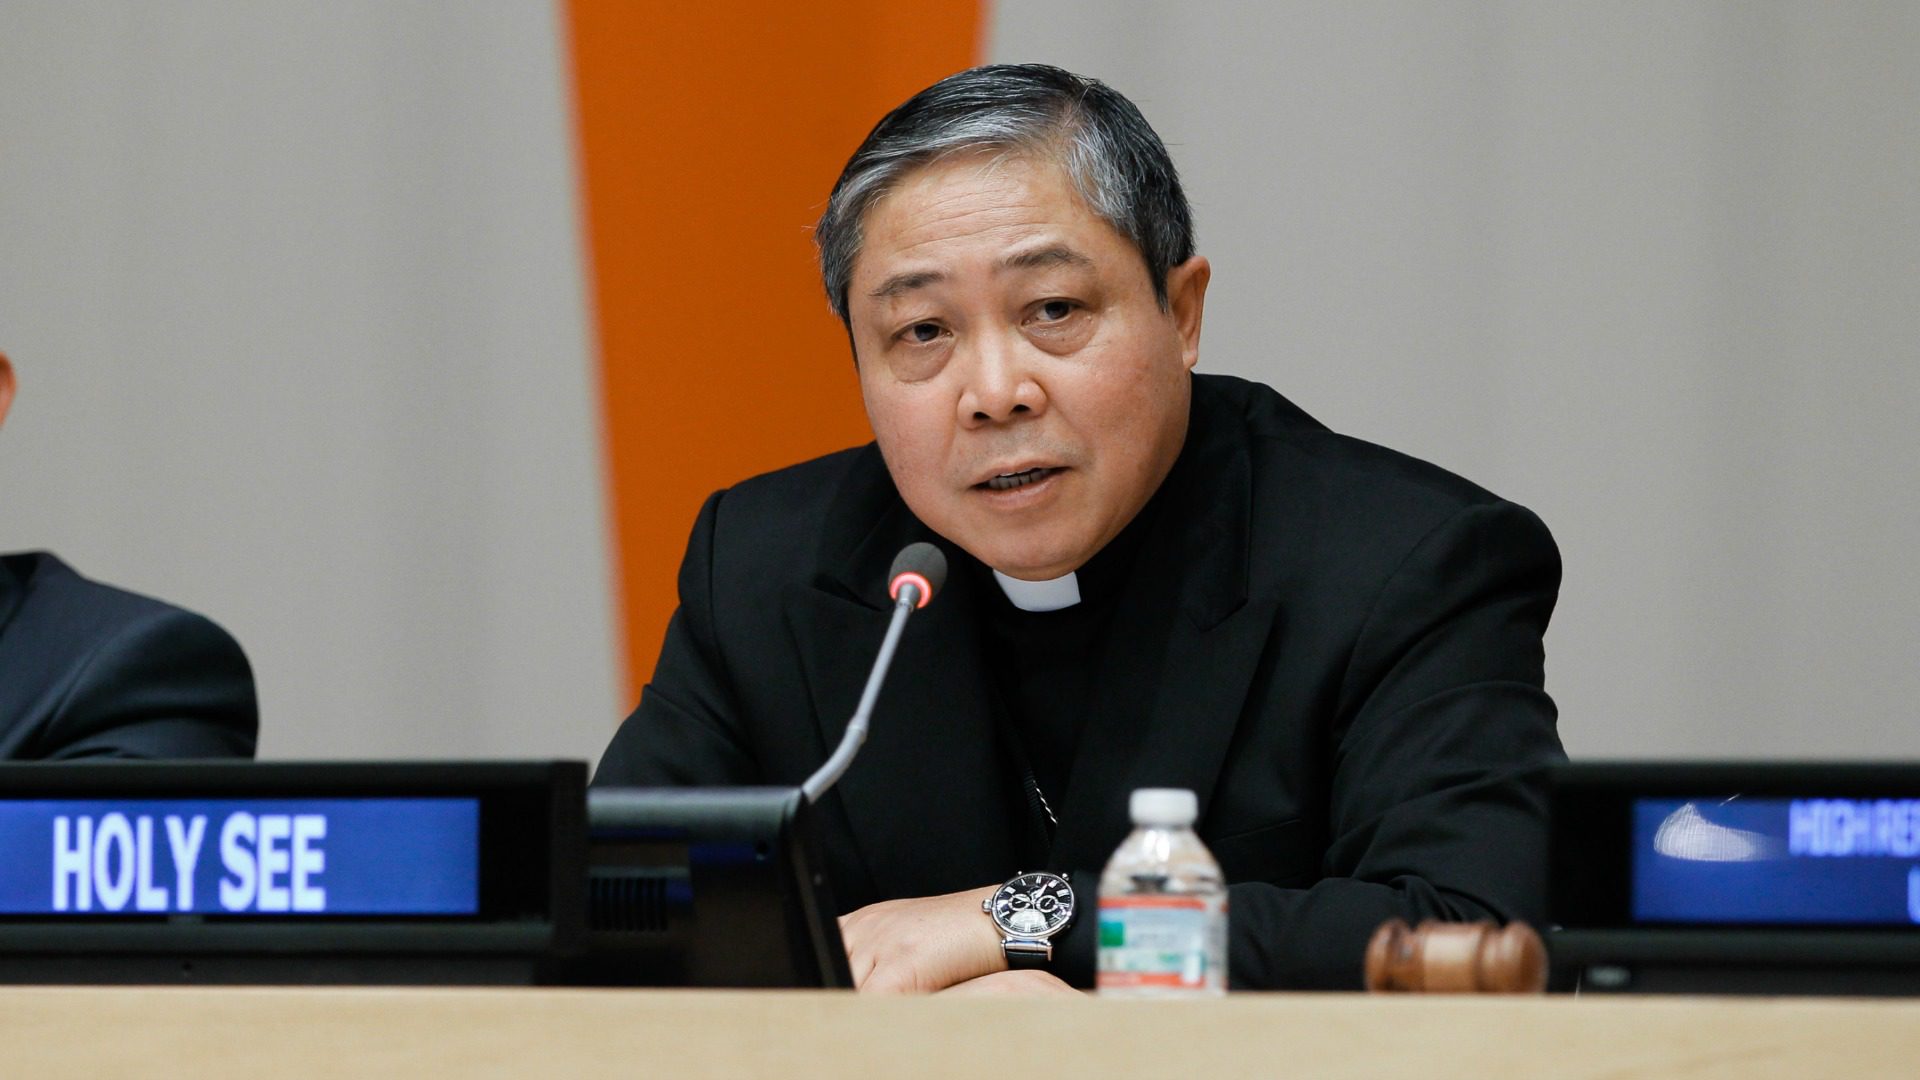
(919, 571)
(921, 567)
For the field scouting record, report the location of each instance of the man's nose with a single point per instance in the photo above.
(1000, 385)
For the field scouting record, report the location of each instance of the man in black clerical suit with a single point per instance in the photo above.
(1161, 579)
(90, 671)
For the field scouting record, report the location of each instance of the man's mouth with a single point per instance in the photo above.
(1009, 481)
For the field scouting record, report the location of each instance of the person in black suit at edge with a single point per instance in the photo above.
(1162, 579)
(90, 671)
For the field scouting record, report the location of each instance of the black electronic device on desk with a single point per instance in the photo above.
(707, 887)
(236, 872)
(1759, 878)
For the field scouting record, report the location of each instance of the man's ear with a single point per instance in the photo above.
(6, 386)
(1186, 300)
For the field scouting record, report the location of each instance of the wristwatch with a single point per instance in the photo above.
(1029, 909)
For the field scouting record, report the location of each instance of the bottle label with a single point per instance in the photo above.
(1157, 941)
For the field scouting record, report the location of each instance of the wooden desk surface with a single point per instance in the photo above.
(283, 1032)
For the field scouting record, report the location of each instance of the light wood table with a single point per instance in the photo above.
(366, 1032)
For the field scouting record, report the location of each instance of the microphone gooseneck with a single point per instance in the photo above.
(919, 572)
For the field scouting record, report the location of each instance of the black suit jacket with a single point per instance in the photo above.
(90, 671)
(1336, 646)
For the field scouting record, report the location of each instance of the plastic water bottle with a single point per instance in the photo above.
(1163, 906)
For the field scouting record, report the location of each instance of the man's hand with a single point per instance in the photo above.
(1017, 983)
(923, 944)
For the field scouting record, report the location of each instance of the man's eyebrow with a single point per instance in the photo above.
(1057, 255)
(901, 284)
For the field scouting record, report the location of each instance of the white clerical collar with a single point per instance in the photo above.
(1061, 592)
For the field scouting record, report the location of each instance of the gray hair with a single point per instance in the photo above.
(1116, 162)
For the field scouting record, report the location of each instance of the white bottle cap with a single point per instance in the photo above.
(1171, 807)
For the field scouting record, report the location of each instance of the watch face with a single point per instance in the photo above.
(1033, 905)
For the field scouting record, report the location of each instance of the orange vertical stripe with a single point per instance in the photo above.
(709, 135)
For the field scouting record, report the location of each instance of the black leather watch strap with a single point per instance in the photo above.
(1027, 954)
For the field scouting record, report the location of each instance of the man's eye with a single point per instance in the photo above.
(1055, 310)
(923, 332)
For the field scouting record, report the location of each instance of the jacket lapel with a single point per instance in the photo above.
(924, 802)
(1184, 647)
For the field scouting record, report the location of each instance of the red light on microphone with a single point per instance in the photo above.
(910, 578)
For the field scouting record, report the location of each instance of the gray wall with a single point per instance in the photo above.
(1652, 269)
(294, 294)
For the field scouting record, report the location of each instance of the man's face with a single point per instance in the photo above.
(1025, 387)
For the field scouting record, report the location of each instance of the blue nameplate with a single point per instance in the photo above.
(262, 857)
(1830, 862)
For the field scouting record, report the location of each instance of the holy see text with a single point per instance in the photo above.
(271, 862)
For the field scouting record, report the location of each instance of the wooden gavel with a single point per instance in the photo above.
(1456, 958)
